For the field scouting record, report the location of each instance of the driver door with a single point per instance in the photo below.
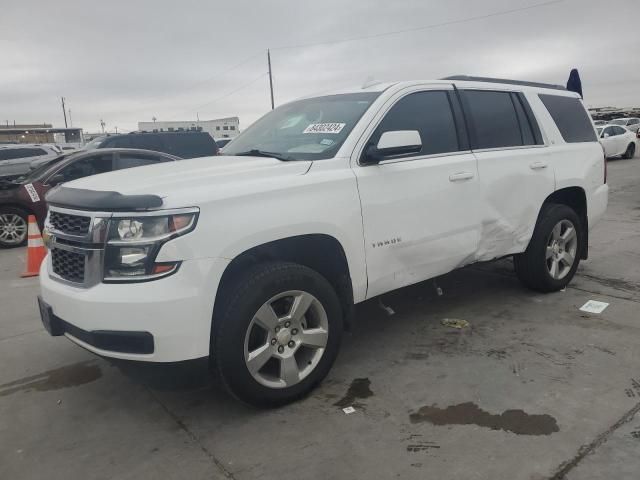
(419, 211)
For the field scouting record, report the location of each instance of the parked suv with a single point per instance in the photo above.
(25, 196)
(187, 144)
(256, 258)
(16, 160)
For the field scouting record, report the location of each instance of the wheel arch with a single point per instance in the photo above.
(576, 198)
(18, 206)
(320, 252)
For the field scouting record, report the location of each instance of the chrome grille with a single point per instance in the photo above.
(68, 265)
(69, 224)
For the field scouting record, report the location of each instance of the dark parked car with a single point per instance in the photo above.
(25, 196)
(187, 144)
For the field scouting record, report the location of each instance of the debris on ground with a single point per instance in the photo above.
(348, 410)
(390, 311)
(437, 288)
(594, 306)
(455, 323)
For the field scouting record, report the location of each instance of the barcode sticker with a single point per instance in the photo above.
(32, 193)
(324, 128)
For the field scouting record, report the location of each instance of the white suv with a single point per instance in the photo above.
(256, 258)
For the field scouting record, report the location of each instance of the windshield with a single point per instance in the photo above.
(93, 144)
(310, 129)
(39, 172)
(618, 122)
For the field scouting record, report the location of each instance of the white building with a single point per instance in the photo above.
(219, 128)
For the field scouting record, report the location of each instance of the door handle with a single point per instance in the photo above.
(460, 176)
(538, 165)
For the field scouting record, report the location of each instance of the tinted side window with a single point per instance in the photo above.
(427, 112)
(130, 160)
(87, 167)
(618, 130)
(634, 121)
(5, 154)
(494, 118)
(525, 125)
(571, 118)
(607, 131)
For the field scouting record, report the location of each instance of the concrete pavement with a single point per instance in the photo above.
(533, 389)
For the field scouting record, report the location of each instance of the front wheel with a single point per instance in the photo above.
(13, 227)
(552, 257)
(278, 333)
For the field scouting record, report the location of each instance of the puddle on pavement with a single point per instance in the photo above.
(359, 389)
(64, 377)
(515, 421)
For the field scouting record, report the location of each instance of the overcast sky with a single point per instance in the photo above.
(127, 61)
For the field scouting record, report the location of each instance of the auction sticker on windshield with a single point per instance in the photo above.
(324, 128)
(32, 193)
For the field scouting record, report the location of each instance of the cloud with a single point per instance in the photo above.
(127, 61)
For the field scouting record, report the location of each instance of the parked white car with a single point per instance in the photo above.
(256, 258)
(631, 123)
(16, 159)
(617, 141)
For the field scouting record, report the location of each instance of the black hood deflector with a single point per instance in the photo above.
(81, 199)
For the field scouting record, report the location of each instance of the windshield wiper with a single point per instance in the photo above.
(261, 153)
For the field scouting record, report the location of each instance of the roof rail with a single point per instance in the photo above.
(469, 78)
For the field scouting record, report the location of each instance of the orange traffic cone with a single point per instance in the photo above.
(35, 249)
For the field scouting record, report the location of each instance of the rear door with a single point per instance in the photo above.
(608, 141)
(419, 211)
(513, 166)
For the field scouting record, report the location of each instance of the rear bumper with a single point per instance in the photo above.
(166, 320)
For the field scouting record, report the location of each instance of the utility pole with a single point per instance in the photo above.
(64, 112)
(102, 124)
(70, 120)
(270, 78)
(116, 129)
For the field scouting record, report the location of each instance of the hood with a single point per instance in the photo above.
(187, 182)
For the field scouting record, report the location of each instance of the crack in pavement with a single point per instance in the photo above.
(585, 450)
(192, 436)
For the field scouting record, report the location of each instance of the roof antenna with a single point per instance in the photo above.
(370, 81)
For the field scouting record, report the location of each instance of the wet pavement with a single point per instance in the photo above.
(532, 389)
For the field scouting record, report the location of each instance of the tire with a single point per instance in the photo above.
(534, 268)
(630, 151)
(13, 227)
(240, 333)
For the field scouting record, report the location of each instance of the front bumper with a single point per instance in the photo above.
(175, 311)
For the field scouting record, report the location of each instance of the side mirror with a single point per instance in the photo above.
(398, 142)
(56, 180)
(606, 135)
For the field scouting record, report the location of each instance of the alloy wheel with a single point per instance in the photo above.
(13, 229)
(562, 248)
(286, 339)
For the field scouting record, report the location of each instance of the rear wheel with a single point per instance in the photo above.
(13, 227)
(630, 151)
(553, 255)
(278, 333)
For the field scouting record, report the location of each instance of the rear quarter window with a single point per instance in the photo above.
(570, 117)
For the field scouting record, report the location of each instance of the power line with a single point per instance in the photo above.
(228, 94)
(219, 74)
(424, 27)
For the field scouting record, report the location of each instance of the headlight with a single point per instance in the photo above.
(133, 244)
